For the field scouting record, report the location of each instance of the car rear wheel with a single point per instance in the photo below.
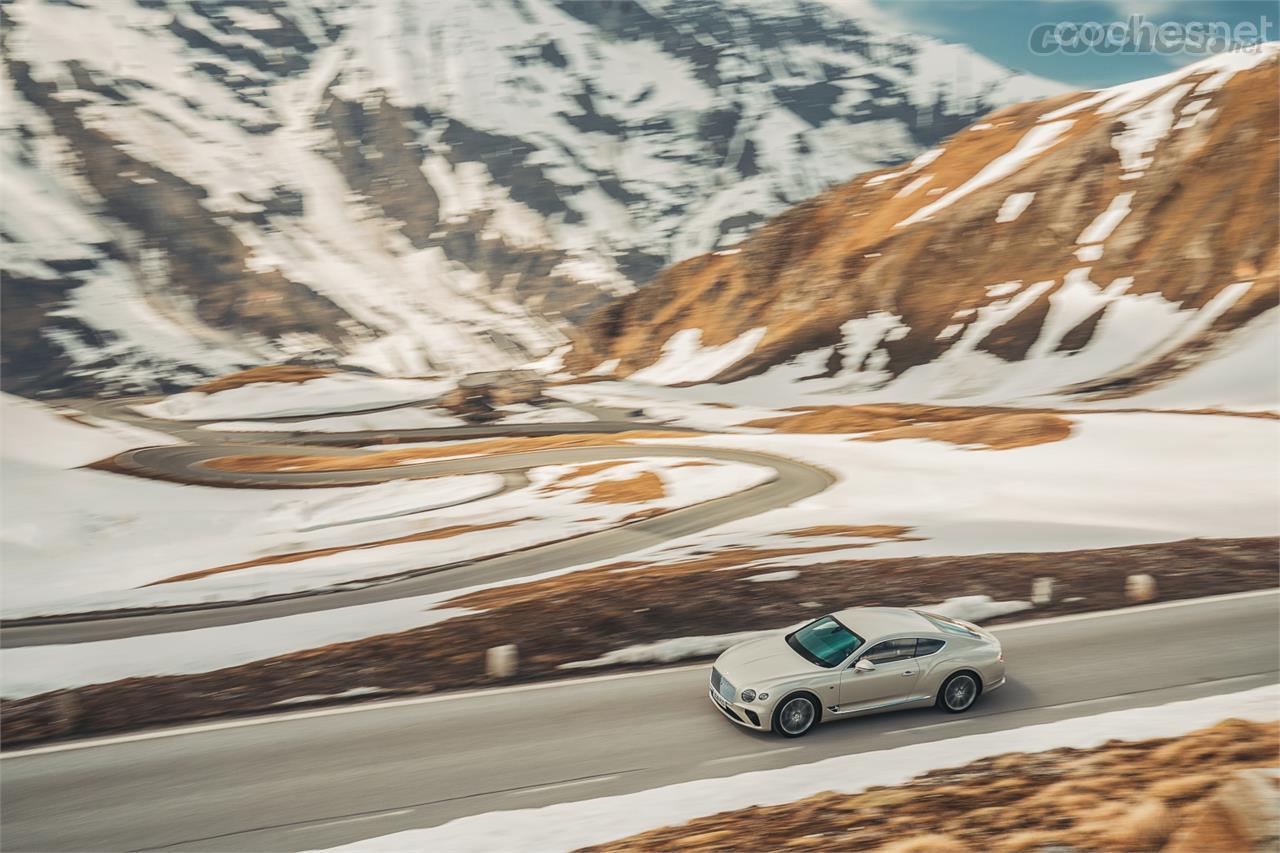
(795, 715)
(958, 693)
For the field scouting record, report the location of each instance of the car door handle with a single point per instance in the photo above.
(909, 672)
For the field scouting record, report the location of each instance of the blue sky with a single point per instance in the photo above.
(1000, 29)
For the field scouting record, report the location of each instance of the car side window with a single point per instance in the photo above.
(925, 646)
(892, 650)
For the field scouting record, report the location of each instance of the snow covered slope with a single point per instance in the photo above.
(414, 187)
(1099, 243)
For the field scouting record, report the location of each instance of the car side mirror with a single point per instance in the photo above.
(864, 665)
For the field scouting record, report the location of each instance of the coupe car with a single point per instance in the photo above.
(857, 661)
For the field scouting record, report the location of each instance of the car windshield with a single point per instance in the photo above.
(825, 642)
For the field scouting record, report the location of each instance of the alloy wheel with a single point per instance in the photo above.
(960, 693)
(796, 716)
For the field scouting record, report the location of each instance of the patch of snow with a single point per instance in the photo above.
(542, 415)
(249, 19)
(407, 418)
(976, 608)
(1089, 254)
(684, 359)
(1013, 206)
(913, 186)
(770, 577)
(586, 823)
(345, 694)
(1145, 127)
(31, 670)
(1101, 227)
(394, 499)
(1240, 373)
(916, 165)
(1035, 142)
(604, 368)
(341, 392)
(1194, 107)
(34, 433)
(998, 291)
(669, 651)
(550, 364)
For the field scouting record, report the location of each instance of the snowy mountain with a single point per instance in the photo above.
(1097, 243)
(196, 186)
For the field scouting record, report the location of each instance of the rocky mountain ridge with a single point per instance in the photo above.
(1094, 242)
(198, 186)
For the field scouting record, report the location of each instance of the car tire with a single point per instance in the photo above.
(795, 715)
(959, 692)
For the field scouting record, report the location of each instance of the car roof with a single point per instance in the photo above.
(871, 623)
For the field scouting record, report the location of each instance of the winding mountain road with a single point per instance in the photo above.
(792, 481)
(317, 778)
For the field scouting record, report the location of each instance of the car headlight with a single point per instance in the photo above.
(748, 695)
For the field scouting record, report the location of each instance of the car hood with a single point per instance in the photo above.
(759, 662)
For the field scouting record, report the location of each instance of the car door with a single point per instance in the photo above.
(893, 679)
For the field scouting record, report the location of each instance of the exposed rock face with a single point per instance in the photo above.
(1088, 242)
(414, 188)
(479, 394)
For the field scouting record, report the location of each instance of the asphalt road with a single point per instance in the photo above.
(320, 778)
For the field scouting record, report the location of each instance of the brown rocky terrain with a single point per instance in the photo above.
(584, 615)
(1209, 791)
(388, 458)
(1203, 215)
(295, 373)
(967, 426)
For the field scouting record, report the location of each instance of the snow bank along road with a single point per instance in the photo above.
(793, 481)
(318, 778)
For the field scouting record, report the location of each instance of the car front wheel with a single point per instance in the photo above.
(958, 693)
(794, 716)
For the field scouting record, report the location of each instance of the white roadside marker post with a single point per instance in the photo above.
(501, 661)
(1042, 591)
(1140, 588)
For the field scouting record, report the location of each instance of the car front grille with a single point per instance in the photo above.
(721, 685)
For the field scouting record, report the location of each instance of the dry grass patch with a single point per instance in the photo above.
(642, 488)
(293, 464)
(969, 426)
(580, 471)
(1013, 802)
(295, 373)
(296, 556)
(866, 418)
(1004, 431)
(888, 532)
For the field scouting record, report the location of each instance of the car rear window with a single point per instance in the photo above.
(951, 626)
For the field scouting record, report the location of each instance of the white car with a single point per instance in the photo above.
(857, 661)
